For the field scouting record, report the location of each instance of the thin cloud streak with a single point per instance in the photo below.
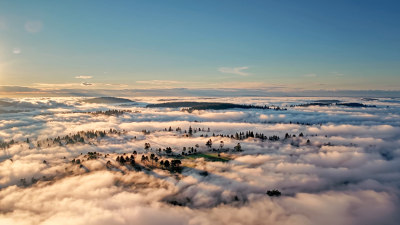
(83, 77)
(235, 70)
(159, 82)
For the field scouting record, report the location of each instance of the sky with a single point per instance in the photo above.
(273, 45)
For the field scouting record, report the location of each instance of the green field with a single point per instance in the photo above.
(213, 157)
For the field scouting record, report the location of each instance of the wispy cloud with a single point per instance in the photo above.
(16, 51)
(234, 70)
(83, 77)
(159, 82)
(54, 85)
(310, 75)
(33, 26)
(338, 74)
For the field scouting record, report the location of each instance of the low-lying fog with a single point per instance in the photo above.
(320, 164)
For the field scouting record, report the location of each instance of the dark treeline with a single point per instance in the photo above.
(82, 136)
(248, 134)
(6, 144)
(355, 104)
(251, 134)
(189, 131)
(237, 136)
(89, 136)
(152, 161)
(312, 104)
(222, 106)
(347, 104)
(191, 106)
(79, 137)
(111, 112)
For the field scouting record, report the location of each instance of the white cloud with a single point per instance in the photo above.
(235, 70)
(345, 182)
(16, 51)
(83, 77)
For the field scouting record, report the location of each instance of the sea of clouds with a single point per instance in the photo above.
(349, 173)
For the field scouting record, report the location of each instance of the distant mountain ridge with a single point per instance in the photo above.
(107, 100)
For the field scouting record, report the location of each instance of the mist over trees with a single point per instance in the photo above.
(253, 160)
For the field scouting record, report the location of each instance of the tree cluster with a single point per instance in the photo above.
(111, 112)
(126, 160)
(5, 144)
(174, 165)
(92, 155)
(274, 193)
(79, 137)
(191, 150)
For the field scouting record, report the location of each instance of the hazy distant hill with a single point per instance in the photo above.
(182, 104)
(334, 102)
(201, 105)
(354, 104)
(107, 100)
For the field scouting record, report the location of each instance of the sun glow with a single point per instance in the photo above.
(2, 66)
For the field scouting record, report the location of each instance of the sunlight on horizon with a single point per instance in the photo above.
(258, 112)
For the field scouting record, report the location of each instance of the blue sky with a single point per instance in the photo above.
(285, 45)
